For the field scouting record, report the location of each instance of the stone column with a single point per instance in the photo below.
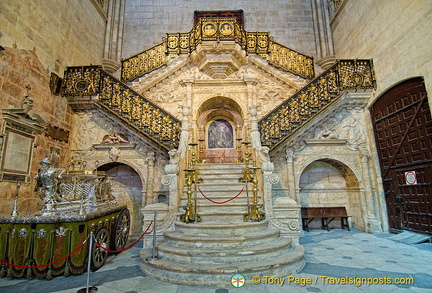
(323, 33)
(254, 134)
(289, 155)
(113, 36)
(145, 200)
(150, 178)
(188, 83)
(189, 104)
(184, 134)
(251, 101)
(372, 223)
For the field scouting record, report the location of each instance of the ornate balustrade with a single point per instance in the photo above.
(217, 29)
(123, 102)
(144, 62)
(280, 123)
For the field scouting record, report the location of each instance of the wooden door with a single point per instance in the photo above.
(403, 131)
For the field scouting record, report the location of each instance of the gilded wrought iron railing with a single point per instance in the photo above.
(290, 60)
(144, 62)
(123, 102)
(280, 123)
(217, 29)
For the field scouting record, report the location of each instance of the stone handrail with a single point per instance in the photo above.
(296, 111)
(217, 29)
(121, 101)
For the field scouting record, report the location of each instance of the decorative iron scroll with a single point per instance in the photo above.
(144, 62)
(290, 60)
(279, 124)
(125, 103)
(217, 29)
(82, 81)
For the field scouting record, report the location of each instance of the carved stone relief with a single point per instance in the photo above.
(164, 86)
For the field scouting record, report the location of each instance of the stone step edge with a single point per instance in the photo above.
(176, 236)
(296, 254)
(272, 246)
(218, 225)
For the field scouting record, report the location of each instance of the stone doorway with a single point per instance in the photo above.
(127, 189)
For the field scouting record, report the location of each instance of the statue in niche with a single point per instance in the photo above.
(220, 135)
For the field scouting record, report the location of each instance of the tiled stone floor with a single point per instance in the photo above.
(336, 254)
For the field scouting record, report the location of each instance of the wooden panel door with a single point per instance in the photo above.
(403, 131)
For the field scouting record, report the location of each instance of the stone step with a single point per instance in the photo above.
(178, 253)
(205, 209)
(225, 166)
(229, 191)
(221, 241)
(222, 217)
(229, 171)
(221, 229)
(226, 176)
(220, 275)
(222, 186)
(221, 179)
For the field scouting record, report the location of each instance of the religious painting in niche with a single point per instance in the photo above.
(220, 135)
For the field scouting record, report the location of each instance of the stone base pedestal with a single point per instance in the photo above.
(110, 65)
(327, 62)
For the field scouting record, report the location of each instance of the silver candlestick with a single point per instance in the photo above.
(15, 205)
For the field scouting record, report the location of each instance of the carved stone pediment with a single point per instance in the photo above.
(219, 60)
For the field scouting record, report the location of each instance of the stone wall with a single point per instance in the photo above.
(40, 37)
(63, 33)
(288, 21)
(395, 33)
(20, 68)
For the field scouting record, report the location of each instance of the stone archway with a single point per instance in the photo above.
(329, 183)
(220, 124)
(127, 188)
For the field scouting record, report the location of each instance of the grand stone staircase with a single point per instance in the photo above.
(208, 253)
(220, 183)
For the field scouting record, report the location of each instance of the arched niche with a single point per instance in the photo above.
(331, 183)
(219, 122)
(127, 188)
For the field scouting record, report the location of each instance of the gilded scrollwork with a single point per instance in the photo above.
(344, 75)
(217, 29)
(144, 62)
(125, 103)
(290, 60)
(83, 81)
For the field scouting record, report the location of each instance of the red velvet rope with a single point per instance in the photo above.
(34, 267)
(129, 247)
(221, 201)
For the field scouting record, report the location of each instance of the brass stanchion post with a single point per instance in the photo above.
(192, 177)
(255, 213)
(249, 175)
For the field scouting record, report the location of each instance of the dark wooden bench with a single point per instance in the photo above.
(326, 214)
